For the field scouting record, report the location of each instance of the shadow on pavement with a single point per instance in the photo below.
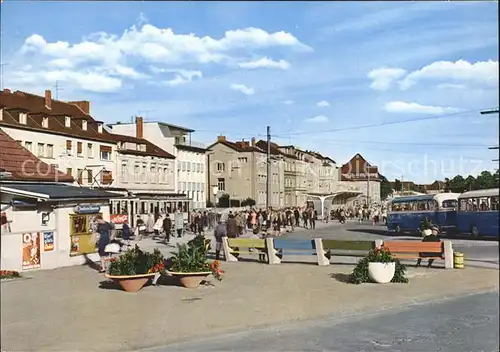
(91, 264)
(110, 285)
(341, 277)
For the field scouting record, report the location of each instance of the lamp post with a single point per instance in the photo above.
(215, 190)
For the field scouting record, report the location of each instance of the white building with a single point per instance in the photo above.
(65, 135)
(190, 157)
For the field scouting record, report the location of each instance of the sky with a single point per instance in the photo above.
(401, 83)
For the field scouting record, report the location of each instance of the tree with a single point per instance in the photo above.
(457, 184)
(385, 187)
(398, 186)
(223, 201)
(446, 185)
(249, 202)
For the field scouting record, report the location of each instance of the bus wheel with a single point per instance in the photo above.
(474, 231)
(397, 229)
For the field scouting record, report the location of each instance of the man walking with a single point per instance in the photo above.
(179, 223)
(219, 232)
(167, 227)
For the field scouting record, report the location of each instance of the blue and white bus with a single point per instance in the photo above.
(478, 213)
(406, 213)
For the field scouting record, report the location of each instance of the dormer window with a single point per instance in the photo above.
(99, 127)
(1, 114)
(23, 118)
(84, 125)
(67, 121)
(45, 122)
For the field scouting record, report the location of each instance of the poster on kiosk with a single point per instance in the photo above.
(31, 251)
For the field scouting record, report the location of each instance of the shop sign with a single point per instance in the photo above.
(31, 250)
(118, 219)
(87, 209)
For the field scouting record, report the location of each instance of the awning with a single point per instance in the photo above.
(54, 191)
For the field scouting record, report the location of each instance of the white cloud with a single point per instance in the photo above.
(181, 76)
(318, 119)
(483, 72)
(384, 77)
(288, 102)
(416, 108)
(451, 86)
(323, 104)
(265, 62)
(116, 56)
(242, 89)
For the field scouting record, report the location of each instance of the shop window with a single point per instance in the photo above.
(82, 227)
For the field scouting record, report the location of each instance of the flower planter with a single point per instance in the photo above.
(131, 283)
(381, 273)
(190, 280)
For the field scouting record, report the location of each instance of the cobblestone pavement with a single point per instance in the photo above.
(463, 324)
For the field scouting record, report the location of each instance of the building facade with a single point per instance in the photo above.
(358, 174)
(189, 176)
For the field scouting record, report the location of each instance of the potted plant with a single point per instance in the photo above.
(9, 274)
(190, 263)
(425, 227)
(378, 266)
(135, 267)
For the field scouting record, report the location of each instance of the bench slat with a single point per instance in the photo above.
(348, 245)
(296, 253)
(246, 243)
(413, 256)
(413, 247)
(294, 244)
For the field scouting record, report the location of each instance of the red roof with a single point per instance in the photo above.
(24, 166)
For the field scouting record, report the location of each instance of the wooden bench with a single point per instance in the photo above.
(411, 250)
(361, 248)
(280, 247)
(229, 246)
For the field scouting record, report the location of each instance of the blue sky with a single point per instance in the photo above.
(413, 75)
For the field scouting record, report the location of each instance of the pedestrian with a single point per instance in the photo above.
(219, 232)
(150, 224)
(167, 227)
(179, 222)
(126, 233)
(104, 231)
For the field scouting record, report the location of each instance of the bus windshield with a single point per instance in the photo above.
(450, 203)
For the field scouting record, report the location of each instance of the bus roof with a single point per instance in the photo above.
(480, 193)
(412, 198)
(446, 196)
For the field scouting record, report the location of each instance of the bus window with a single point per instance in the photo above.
(494, 203)
(484, 204)
(450, 203)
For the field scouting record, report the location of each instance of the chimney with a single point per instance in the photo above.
(48, 99)
(139, 127)
(6, 90)
(253, 141)
(221, 138)
(83, 105)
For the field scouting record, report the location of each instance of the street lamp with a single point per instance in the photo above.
(215, 190)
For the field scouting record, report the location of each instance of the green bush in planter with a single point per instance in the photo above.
(360, 273)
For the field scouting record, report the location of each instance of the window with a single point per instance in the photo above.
(79, 148)
(90, 177)
(105, 152)
(106, 177)
(45, 122)
(221, 184)
(84, 125)
(243, 160)
(202, 167)
(19, 142)
(99, 127)
(188, 167)
(137, 173)
(28, 145)
(183, 166)
(144, 174)
(220, 167)
(153, 175)
(69, 147)
(79, 175)
(23, 118)
(41, 150)
(484, 204)
(450, 203)
(69, 171)
(90, 150)
(124, 173)
(160, 175)
(494, 203)
(49, 151)
(67, 121)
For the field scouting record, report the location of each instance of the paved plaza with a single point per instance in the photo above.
(77, 309)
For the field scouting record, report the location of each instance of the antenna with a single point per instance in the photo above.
(145, 112)
(1, 73)
(58, 88)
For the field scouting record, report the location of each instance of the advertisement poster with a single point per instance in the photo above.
(75, 245)
(48, 241)
(118, 219)
(31, 250)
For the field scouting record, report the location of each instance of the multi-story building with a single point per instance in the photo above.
(190, 160)
(239, 169)
(66, 136)
(363, 177)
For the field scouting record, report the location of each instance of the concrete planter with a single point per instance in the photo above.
(381, 273)
(190, 280)
(131, 283)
